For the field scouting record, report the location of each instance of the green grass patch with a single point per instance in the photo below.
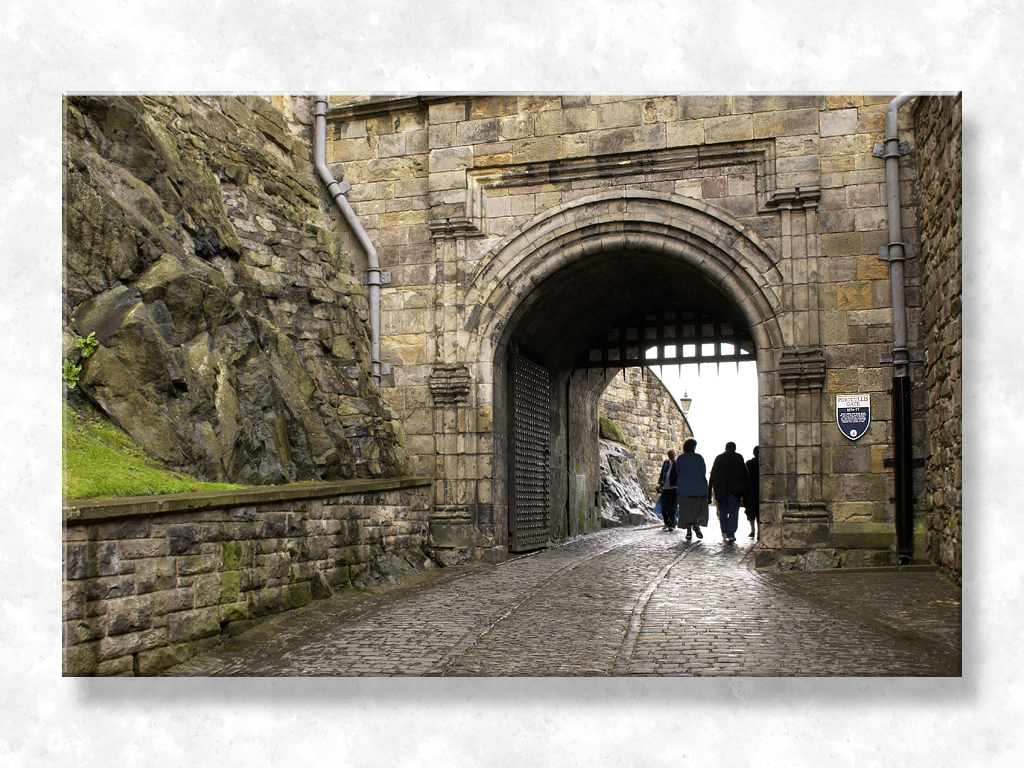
(103, 462)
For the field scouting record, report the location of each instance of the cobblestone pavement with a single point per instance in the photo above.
(638, 601)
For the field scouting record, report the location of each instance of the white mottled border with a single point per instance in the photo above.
(49, 47)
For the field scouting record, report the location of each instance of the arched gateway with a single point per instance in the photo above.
(533, 307)
(528, 238)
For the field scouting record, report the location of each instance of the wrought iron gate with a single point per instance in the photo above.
(529, 518)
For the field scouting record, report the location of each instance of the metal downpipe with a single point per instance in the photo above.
(895, 254)
(337, 191)
(896, 249)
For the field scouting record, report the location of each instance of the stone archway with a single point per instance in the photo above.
(708, 255)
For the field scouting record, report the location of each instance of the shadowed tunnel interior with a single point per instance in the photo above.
(565, 313)
(552, 461)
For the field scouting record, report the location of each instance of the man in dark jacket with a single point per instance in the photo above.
(729, 484)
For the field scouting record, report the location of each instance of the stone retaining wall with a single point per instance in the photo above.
(152, 581)
(648, 415)
(938, 134)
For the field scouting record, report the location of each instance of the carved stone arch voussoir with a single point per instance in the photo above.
(730, 254)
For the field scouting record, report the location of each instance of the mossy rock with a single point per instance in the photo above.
(612, 431)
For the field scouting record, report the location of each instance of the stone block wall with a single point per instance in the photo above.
(150, 582)
(649, 416)
(939, 139)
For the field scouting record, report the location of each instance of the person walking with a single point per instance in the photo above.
(692, 490)
(730, 485)
(752, 505)
(667, 488)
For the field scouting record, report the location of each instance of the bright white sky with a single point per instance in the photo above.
(724, 406)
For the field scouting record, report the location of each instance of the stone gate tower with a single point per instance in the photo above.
(533, 245)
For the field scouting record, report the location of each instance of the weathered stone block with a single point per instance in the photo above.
(155, 574)
(618, 114)
(838, 122)
(172, 600)
(183, 539)
(477, 131)
(193, 625)
(454, 158)
(841, 244)
(853, 295)
(731, 128)
(80, 660)
(449, 112)
(190, 565)
(158, 659)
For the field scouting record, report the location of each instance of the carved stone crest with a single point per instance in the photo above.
(449, 384)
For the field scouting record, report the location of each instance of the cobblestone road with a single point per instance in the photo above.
(639, 601)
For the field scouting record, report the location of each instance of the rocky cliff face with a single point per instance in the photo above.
(624, 499)
(231, 327)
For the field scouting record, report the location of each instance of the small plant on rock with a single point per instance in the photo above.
(71, 373)
(88, 345)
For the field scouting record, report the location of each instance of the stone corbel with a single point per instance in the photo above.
(802, 369)
(449, 384)
(795, 198)
(452, 229)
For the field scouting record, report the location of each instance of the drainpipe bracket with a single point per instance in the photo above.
(912, 356)
(895, 252)
(376, 277)
(879, 150)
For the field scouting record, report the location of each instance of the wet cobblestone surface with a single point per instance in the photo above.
(640, 601)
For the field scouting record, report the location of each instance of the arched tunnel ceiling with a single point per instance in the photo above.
(566, 312)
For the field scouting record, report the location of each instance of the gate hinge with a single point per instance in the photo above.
(879, 149)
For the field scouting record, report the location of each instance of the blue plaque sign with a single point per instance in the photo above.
(853, 414)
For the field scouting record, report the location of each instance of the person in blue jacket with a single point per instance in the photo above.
(692, 490)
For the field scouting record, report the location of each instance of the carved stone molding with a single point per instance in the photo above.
(450, 229)
(796, 197)
(449, 384)
(451, 513)
(802, 369)
(805, 512)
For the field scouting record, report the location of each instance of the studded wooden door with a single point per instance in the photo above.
(530, 417)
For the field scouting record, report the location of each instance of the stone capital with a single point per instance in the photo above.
(795, 198)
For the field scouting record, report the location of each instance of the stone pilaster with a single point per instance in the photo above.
(805, 519)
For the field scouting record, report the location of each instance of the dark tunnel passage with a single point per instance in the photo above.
(551, 330)
(566, 312)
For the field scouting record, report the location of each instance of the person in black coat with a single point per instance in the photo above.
(730, 485)
(752, 505)
(692, 490)
(667, 489)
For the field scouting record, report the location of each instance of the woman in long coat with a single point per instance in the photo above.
(692, 489)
